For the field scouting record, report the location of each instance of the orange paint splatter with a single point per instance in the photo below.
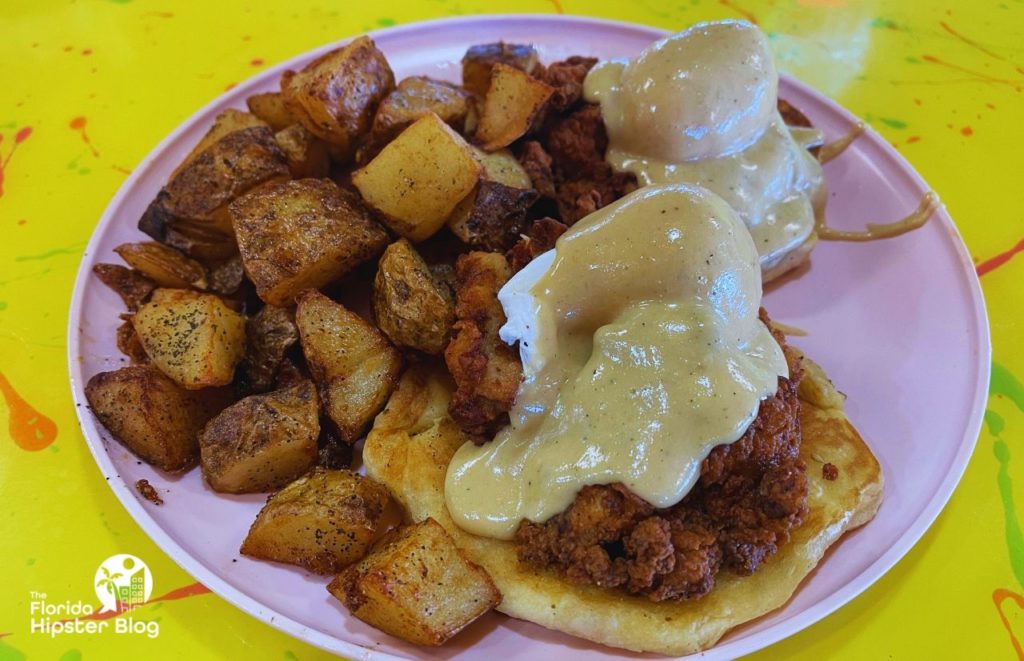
(917, 102)
(22, 221)
(159, 14)
(21, 136)
(998, 597)
(68, 49)
(739, 10)
(990, 106)
(970, 42)
(912, 139)
(993, 263)
(122, 170)
(86, 52)
(30, 429)
(78, 124)
(193, 590)
(229, 86)
(967, 131)
(977, 75)
(256, 61)
(825, 4)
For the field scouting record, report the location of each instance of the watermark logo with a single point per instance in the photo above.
(123, 582)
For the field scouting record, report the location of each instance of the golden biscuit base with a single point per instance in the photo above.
(413, 440)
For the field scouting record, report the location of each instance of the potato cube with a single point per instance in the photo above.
(271, 108)
(514, 99)
(262, 442)
(412, 307)
(418, 178)
(322, 522)
(301, 235)
(479, 60)
(417, 585)
(151, 415)
(415, 97)
(307, 155)
(354, 365)
(336, 95)
(193, 338)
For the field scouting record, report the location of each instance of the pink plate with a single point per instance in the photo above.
(900, 326)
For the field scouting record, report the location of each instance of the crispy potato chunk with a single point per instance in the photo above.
(354, 365)
(487, 371)
(163, 265)
(128, 343)
(226, 163)
(262, 442)
(415, 97)
(307, 155)
(417, 585)
(418, 178)
(494, 216)
(302, 235)
(412, 307)
(151, 415)
(322, 522)
(133, 287)
(514, 99)
(268, 335)
(271, 108)
(336, 95)
(196, 239)
(193, 338)
(479, 60)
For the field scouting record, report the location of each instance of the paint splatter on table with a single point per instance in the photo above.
(90, 88)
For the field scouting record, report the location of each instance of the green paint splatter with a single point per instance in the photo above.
(30, 562)
(1014, 535)
(913, 60)
(8, 653)
(995, 422)
(54, 449)
(121, 2)
(290, 655)
(70, 250)
(84, 170)
(3, 305)
(385, 22)
(9, 125)
(894, 123)
(1005, 384)
(880, 22)
(71, 655)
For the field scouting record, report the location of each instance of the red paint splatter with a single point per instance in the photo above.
(21, 136)
(739, 10)
(993, 263)
(256, 61)
(967, 131)
(86, 52)
(977, 75)
(30, 429)
(193, 590)
(912, 139)
(78, 124)
(1000, 595)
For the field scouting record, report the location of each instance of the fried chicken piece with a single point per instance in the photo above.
(487, 371)
(542, 237)
(567, 78)
(537, 163)
(751, 494)
(577, 143)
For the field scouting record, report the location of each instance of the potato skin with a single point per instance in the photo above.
(193, 338)
(133, 287)
(269, 334)
(271, 108)
(322, 522)
(353, 364)
(480, 59)
(411, 306)
(301, 235)
(163, 265)
(336, 95)
(419, 177)
(413, 98)
(308, 156)
(262, 442)
(417, 585)
(151, 415)
(496, 215)
(514, 100)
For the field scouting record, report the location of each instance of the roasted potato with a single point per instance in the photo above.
(196, 239)
(269, 334)
(336, 95)
(225, 164)
(128, 343)
(352, 362)
(307, 155)
(163, 265)
(417, 585)
(322, 522)
(412, 307)
(193, 338)
(133, 287)
(227, 276)
(271, 108)
(263, 442)
(495, 217)
(514, 99)
(479, 60)
(419, 177)
(302, 235)
(151, 415)
(413, 98)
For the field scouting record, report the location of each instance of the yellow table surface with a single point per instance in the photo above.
(90, 87)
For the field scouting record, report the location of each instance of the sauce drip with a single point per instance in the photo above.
(833, 149)
(929, 204)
